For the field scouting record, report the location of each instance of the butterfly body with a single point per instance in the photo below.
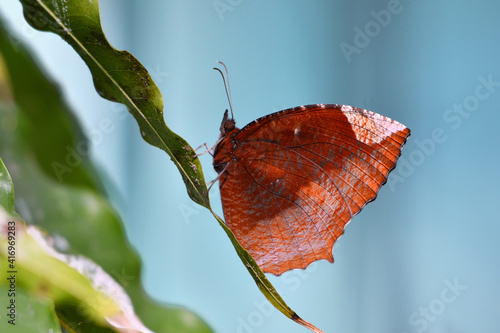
(292, 180)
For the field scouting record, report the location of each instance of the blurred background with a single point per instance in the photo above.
(421, 258)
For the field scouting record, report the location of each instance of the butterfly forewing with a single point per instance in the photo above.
(292, 180)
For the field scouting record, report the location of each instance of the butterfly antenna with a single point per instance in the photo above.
(226, 85)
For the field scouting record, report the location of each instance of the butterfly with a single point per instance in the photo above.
(292, 180)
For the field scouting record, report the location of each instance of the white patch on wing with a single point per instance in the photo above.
(379, 126)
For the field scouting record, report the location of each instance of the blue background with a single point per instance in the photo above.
(422, 258)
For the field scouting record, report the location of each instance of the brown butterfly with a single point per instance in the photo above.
(291, 181)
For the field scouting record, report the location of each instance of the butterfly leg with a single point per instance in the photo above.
(212, 182)
(207, 150)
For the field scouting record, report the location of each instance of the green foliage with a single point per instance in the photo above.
(71, 209)
(36, 314)
(120, 77)
(94, 229)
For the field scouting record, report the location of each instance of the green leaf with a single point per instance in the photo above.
(41, 270)
(79, 218)
(6, 191)
(26, 312)
(118, 76)
(35, 314)
(54, 124)
(262, 282)
(31, 264)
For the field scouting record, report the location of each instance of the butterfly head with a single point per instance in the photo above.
(228, 124)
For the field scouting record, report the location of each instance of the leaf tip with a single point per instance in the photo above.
(305, 323)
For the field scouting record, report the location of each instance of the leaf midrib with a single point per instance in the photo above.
(127, 97)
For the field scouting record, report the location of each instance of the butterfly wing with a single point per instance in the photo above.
(298, 176)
